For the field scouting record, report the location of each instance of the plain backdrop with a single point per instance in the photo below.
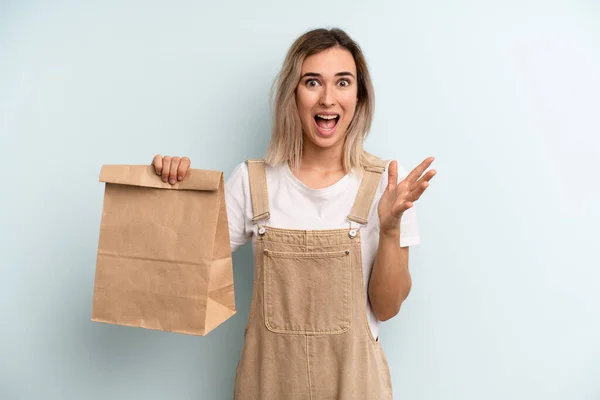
(505, 301)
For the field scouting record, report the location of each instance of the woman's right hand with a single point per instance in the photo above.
(171, 169)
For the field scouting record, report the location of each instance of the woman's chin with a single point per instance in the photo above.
(325, 140)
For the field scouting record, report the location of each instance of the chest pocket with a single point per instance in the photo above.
(307, 292)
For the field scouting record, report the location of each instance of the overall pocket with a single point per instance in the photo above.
(307, 292)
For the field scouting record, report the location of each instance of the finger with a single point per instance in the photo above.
(157, 162)
(425, 178)
(419, 169)
(400, 208)
(173, 171)
(393, 174)
(416, 194)
(184, 166)
(166, 168)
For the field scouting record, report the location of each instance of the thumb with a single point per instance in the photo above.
(393, 174)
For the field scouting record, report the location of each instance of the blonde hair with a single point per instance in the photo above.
(286, 137)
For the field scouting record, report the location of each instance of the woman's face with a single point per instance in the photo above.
(326, 96)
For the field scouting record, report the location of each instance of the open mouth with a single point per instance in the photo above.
(326, 123)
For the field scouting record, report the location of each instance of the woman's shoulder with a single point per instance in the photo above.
(375, 163)
(241, 171)
(371, 160)
(382, 165)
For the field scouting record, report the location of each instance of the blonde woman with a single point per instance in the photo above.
(330, 227)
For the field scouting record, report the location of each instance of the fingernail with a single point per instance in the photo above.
(164, 180)
(180, 177)
(171, 181)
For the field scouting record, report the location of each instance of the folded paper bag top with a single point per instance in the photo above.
(142, 175)
(164, 259)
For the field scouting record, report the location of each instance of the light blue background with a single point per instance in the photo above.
(505, 94)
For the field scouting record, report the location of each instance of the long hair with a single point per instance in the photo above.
(286, 136)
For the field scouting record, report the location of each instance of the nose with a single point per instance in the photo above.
(327, 99)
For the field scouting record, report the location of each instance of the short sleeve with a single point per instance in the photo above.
(409, 228)
(236, 195)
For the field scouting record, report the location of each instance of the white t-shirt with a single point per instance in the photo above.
(293, 205)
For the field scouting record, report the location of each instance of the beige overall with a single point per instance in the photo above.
(307, 336)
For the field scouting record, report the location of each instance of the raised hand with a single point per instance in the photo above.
(399, 197)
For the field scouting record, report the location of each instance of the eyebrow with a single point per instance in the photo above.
(316, 75)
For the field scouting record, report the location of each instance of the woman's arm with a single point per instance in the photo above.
(390, 281)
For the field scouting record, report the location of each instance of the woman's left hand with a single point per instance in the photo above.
(399, 197)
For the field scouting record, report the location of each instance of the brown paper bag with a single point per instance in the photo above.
(164, 258)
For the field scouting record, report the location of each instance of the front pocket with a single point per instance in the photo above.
(307, 292)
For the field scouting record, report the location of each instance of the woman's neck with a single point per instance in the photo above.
(319, 167)
(318, 159)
